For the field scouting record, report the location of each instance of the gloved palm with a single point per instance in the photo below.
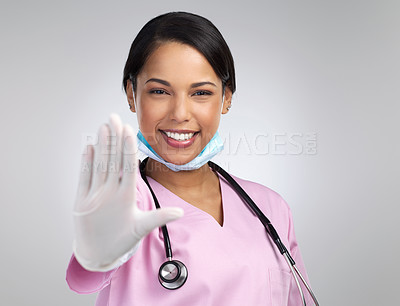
(108, 223)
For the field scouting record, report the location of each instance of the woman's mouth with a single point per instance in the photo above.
(179, 136)
(179, 139)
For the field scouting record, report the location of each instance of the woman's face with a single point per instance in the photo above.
(178, 101)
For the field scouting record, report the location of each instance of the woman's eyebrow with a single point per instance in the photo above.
(166, 83)
(201, 84)
(159, 81)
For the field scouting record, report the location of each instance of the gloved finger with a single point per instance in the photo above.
(149, 220)
(129, 159)
(101, 156)
(114, 163)
(85, 176)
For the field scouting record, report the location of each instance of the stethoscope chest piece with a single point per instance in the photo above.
(172, 274)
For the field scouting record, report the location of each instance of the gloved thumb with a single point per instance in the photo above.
(156, 218)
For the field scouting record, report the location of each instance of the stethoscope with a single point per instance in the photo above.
(173, 273)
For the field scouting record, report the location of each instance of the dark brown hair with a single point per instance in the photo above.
(186, 28)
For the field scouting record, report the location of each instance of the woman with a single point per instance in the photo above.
(179, 78)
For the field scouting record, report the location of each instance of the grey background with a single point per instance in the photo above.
(329, 68)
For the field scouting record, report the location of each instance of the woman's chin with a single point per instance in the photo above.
(178, 161)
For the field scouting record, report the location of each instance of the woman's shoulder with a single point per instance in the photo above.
(256, 188)
(269, 200)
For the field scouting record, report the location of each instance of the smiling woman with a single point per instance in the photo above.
(179, 78)
(178, 95)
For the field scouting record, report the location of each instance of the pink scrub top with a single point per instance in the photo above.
(233, 264)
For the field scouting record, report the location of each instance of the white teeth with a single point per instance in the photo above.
(180, 137)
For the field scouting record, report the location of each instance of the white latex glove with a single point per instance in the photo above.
(108, 223)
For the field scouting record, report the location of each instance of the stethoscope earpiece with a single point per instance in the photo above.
(172, 274)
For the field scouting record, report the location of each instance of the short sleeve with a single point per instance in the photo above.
(83, 281)
(294, 295)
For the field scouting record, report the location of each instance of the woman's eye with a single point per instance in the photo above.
(158, 91)
(202, 93)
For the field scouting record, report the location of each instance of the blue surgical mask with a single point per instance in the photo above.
(214, 146)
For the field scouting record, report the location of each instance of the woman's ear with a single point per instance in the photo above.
(226, 104)
(130, 96)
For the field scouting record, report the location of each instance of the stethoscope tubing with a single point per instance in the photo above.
(270, 230)
(167, 241)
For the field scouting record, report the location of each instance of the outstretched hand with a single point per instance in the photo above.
(108, 223)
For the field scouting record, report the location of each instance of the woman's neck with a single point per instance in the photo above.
(180, 181)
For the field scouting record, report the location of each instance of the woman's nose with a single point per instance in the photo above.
(180, 108)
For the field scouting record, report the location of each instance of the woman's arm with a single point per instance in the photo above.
(109, 224)
(294, 295)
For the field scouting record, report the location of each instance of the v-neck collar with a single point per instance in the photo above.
(186, 205)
